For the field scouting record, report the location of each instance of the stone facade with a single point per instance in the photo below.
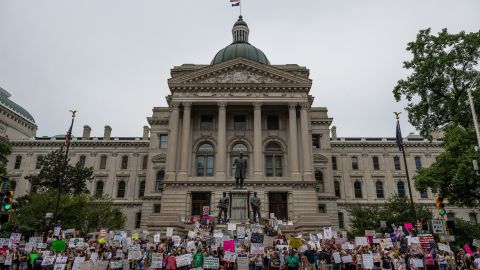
(298, 166)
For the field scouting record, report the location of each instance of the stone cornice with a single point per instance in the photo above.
(321, 122)
(155, 121)
(239, 87)
(91, 143)
(182, 184)
(349, 144)
(20, 120)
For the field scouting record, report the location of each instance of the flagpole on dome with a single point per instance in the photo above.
(399, 142)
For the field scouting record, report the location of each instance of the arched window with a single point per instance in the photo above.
(379, 188)
(121, 189)
(236, 150)
(141, 190)
(341, 220)
(273, 160)
(319, 179)
(205, 160)
(336, 185)
(124, 164)
(103, 162)
(160, 177)
(401, 189)
(38, 165)
(99, 188)
(357, 186)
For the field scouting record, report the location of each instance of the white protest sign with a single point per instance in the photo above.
(60, 263)
(242, 262)
(327, 233)
(176, 240)
(184, 260)
(169, 232)
(437, 226)
(42, 245)
(413, 240)
(361, 241)
(192, 234)
(336, 257)
(444, 247)
(367, 260)
(86, 265)
(386, 243)
(100, 265)
(240, 232)
(15, 238)
(156, 238)
(370, 233)
(8, 259)
(157, 260)
(257, 248)
(48, 260)
(232, 226)
(314, 238)
(94, 257)
(211, 262)
(347, 259)
(57, 230)
(75, 242)
(417, 263)
(77, 262)
(115, 264)
(4, 242)
(230, 256)
(320, 236)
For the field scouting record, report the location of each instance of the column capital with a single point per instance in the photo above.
(304, 105)
(187, 105)
(257, 105)
(222, 105)
(292, 105)
(174, 104)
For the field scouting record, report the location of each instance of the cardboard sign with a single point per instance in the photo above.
(184, 260)
(367, 260)
(169, 232)
(230, 256)
(361, 241)
(242, 262)
(327, 233)
(211, 262)
(256, 238)
(157, 260)
(240, 232)
(257, 249)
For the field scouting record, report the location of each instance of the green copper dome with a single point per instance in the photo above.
(12, 106)
(240, 46)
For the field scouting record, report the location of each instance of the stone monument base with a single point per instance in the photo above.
(239, 206)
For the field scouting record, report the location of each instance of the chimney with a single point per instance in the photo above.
(86, 132)
(107, 132)
(146, 132)
(334, 132)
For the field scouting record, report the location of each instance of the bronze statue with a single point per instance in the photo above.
(223, 208)
(240, 171)
(256, 204)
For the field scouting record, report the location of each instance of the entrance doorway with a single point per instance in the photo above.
(199, 200)
(277, 204)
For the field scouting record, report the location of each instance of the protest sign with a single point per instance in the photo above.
(229, 245)
(347, 259)
(8, 259)
(413, 240)
(295, 242)
(134, 254)
(256, 238)
(35, 240)
(15, 238)
(75, 242)
(60, 263)
(100, 265)
(327, 233)
(476, 243)
(417, 263)
(370, 233)
(177, 240)
(426, 240)
(229, 256)
(242, 262)
(156, 238)
(232, 226)
(77, 262)
(437, 226)
(184, 260)
(383, 224)
(408, 226)
(115, 264)
(169, 232)
(94, 257)
(467, 249)
(58, 246)
(211, 262)
(57, 230)
(268, 241)
(339, 241)
(336, 257)
(4, 242)
(386, 243)
(345, 246)
(48, 260)
(135, 236)
(190, 246)
(444, 247)
(157, 260)
(361, 241)
(367, 260)
(41, 245)
(86, 265)
(240, 232)
(257, 249)
(206, 210)
(192, 234)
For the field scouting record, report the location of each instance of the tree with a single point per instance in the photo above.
(83, 212)
(465, 232)
(396, 210)
(452, 174)
(5, 150)
(74, 177)
(443, 68)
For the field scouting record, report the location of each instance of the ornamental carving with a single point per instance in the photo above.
(160, 158)
(317, 158)
(239, 76)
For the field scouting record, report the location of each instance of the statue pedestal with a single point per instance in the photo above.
(239, 206)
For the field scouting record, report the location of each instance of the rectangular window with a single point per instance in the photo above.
(424, 194)
(354, 163)
(163, 138)
(316, 141)
(396, 163)
(473, 218)
(138, 219)
(418, 163)
(336, 185)
(273, 122)
(206, 122)
(156, 208)
(322, 208)
(376, 163)
(239, 122)
(145, 162)
(334, 163)
(39, 162)
(124, 164)
(82, 160)
(103, 162)
(18, 162)
(205, 165)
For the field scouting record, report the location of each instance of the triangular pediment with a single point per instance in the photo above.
(239, 71)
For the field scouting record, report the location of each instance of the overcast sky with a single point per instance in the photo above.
(110, 59)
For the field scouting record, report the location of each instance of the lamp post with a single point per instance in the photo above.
(475, 124)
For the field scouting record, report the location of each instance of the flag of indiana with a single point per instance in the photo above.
(235, 3)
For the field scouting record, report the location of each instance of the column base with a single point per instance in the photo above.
(170, 176)
(258, 176)
(295, 176)
(182, 176)
(307, 176)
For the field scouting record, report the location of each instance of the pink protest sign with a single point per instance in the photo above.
(467, 249)
(408, 226)
(229, 245)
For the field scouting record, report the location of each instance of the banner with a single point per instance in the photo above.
(211, 262)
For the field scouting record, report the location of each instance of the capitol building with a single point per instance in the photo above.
(239, 103)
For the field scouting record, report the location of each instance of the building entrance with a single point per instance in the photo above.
(277, 204)
(199, 200)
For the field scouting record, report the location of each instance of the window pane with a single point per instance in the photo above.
(210, 162)
(337, 189)
(376, 165)
(379, 187)
(418, 163)
(206, 147)
(239, 122)
(334, 163)
(206, 122)
(103, 162)
(401, 189)
(278, 166)
(239, 147)
(200, 165)
(163, 141)
(269, 165)
(396, 161)
(316, 141)
(272, 122)
(354, 163)
(273, 147)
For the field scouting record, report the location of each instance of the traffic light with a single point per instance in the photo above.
(8, 201)
(440, 206)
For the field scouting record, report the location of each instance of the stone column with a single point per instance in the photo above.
(306, 144)
(220, 172)
(184, 156)
(293, 151)
(172, 141)
(257, 141)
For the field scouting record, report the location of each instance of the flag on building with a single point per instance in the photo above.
(235, 3)
(399, 139)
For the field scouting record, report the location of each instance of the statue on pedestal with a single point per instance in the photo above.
(256, 205)
(240, 171)
(223, 208)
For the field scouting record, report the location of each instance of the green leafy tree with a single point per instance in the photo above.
(54, 167)
(452, 174)
(5, 150)
(83, 212)
(396, 210)
(443, 67)
(465, 232)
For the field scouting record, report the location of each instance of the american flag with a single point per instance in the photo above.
(235, 3)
